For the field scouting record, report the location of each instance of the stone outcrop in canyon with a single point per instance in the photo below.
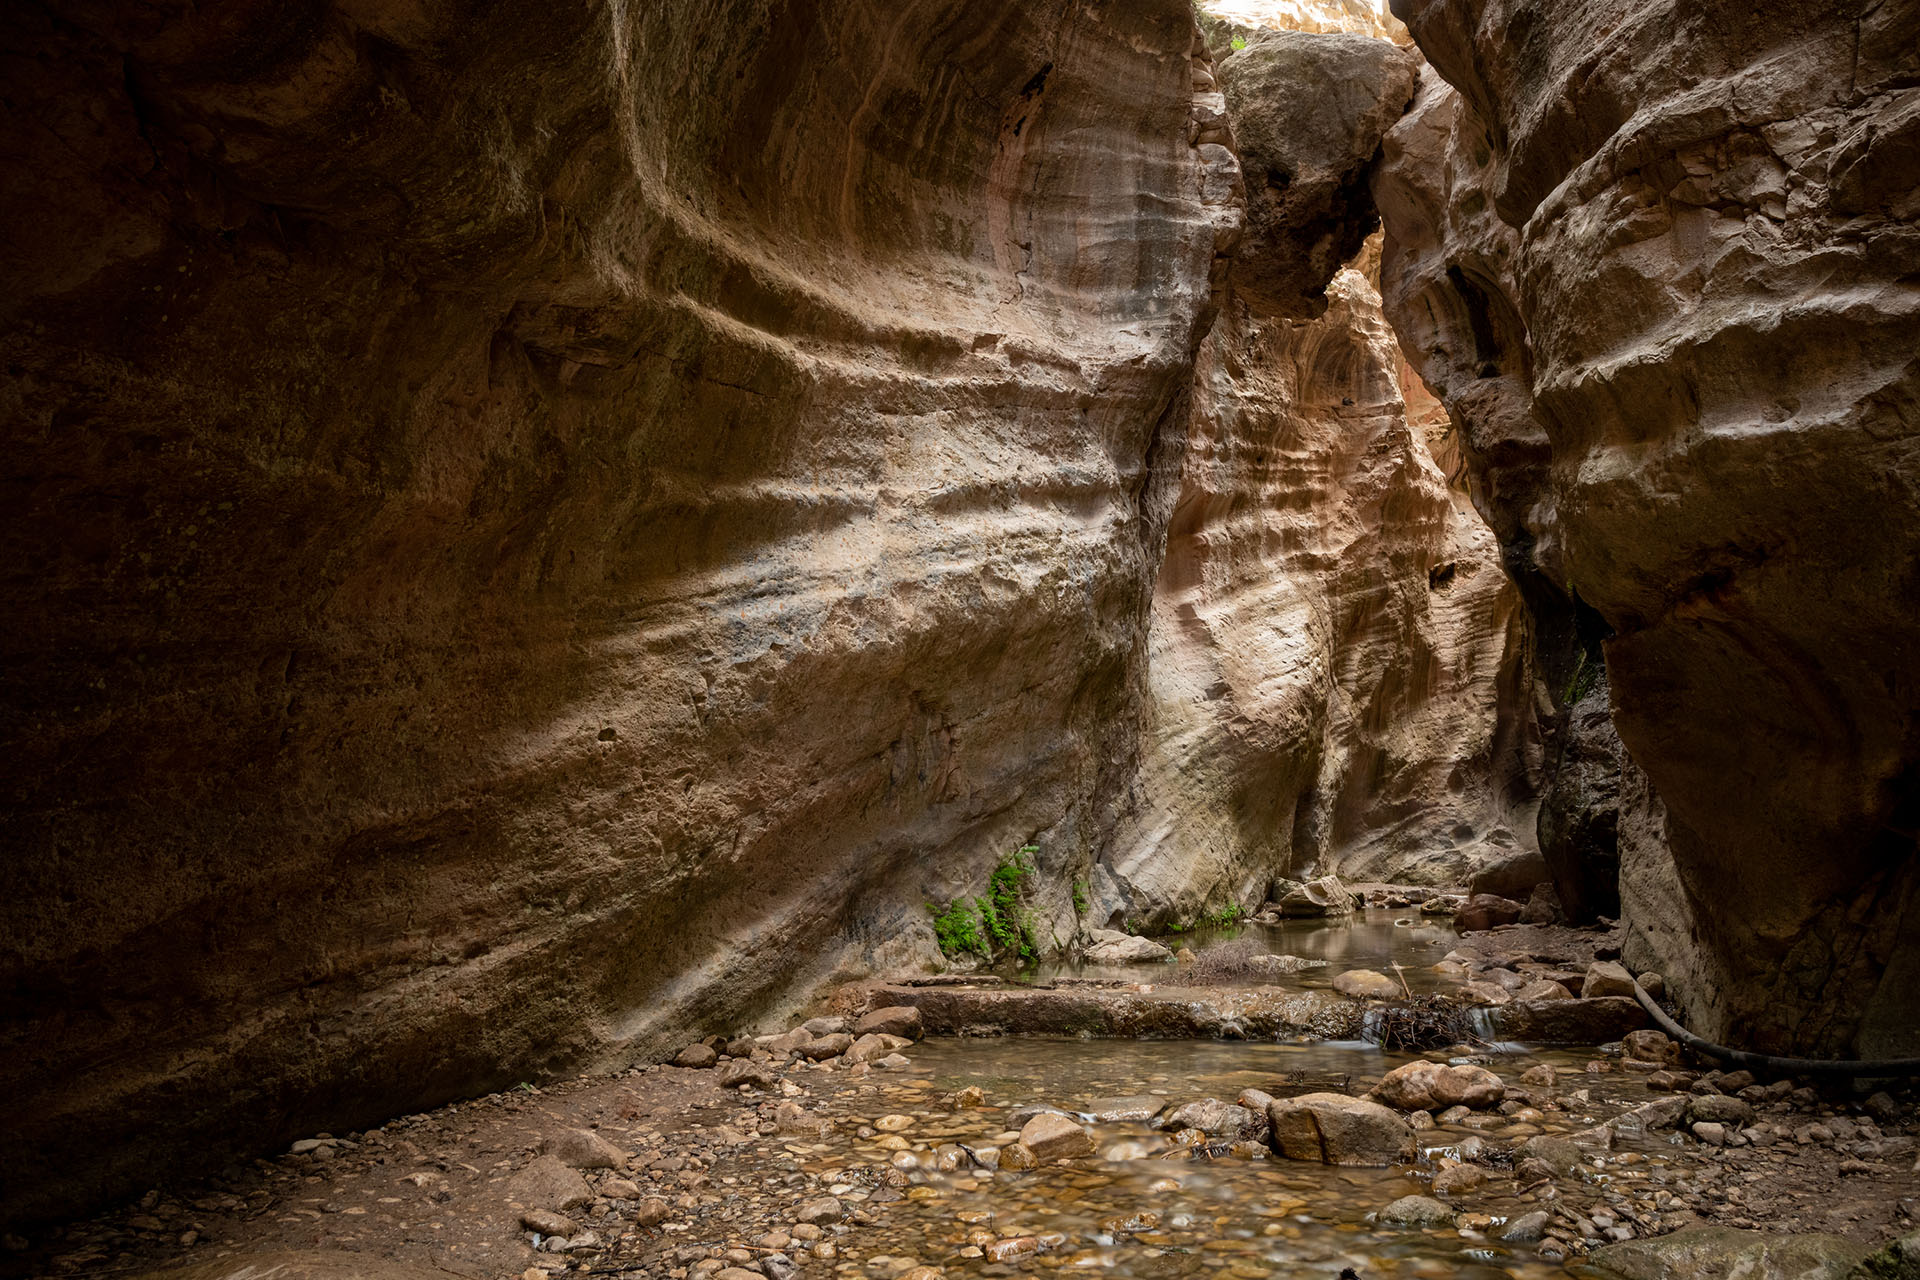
(532, 535)
(1660, 262)
(1336, 661)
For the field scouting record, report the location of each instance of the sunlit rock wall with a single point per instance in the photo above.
(1337, 661)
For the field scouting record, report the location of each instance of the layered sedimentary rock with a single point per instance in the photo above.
(1336, 671)
(1666, 283)
(535, 531)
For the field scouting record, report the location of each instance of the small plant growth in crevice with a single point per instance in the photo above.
(1000, 923)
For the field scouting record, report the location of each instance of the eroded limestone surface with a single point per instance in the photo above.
(529, 528)
(1659, 261)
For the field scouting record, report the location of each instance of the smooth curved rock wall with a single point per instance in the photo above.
(533, 533)
(1337, 675)
(1683, 241)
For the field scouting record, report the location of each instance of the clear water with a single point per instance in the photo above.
(1374, 939)
(1229, 1216)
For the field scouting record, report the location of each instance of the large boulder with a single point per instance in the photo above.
(1113, 947)
(1512, 874)
(1366, 984)
(1433, 1086)
(1485, 911)
(1308, 113)
(1323, 897)
(547, 1183)
(1567, 1021)
(1335, 1129)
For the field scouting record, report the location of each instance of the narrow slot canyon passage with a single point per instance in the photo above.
(750, 640)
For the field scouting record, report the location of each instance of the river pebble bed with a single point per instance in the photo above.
(883, 1169)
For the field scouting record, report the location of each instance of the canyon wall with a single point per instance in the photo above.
(1660, 261)
(533, 535)
(1337, 667)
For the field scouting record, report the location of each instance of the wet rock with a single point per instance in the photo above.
(696, 1055)
(827, 1046)
(1016, 1156)
(1336, 1129)
(548, 1184)
(1432, 1086)
(903, 1021)
(304, 1264)
(1537, 1076)
(1648, 1045)
(1714, 1135)
(876, 1045)
(1460, 1179)
(1323, 897)
(1607, 978)
(1714, 1252)
(1211, 1116)
(1365, 984)
(1055, 1137)
(1256, 1100)
(1416, 1211)
(1139, 1106)
(1661, 1113)
(1486, 911)
(1559, 1155)
(826, 1209)
(1527, 1228)
(1112, 947)
(1011, 1249)
(583, 1149)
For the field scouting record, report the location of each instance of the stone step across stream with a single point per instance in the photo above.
(1256, 1013)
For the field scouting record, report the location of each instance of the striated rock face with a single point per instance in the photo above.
(1308, 112)
(536, 531)
(1337, 677)
(1659, 260)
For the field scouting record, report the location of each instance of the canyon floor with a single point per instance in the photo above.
(771, 1165)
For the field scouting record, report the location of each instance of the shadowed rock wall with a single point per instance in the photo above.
(1660, 261)
(535, 531)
